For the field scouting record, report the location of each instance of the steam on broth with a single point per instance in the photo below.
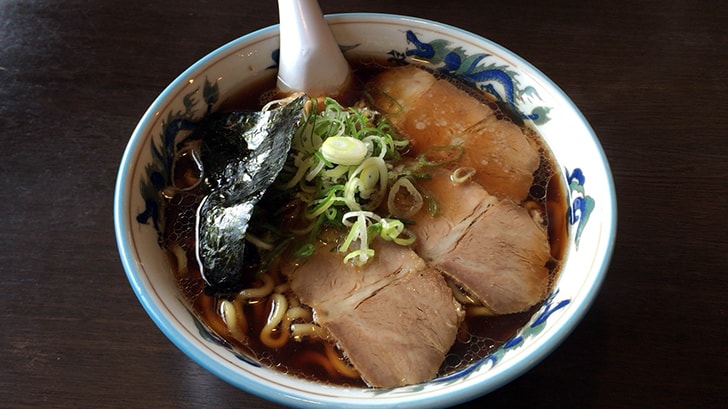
(268, 319)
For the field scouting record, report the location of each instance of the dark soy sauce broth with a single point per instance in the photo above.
(478, 336)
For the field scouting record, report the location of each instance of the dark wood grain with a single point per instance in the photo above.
(76, 75)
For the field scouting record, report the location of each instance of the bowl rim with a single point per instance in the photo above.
(442, 397)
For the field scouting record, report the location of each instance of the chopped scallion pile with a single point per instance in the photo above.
(341, 166)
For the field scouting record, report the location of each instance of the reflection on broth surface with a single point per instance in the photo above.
(290, 321)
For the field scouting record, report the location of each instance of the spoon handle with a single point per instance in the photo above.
(310, 58)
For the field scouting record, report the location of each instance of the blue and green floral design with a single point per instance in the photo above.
(580, 204)
(164, 150)
(496, 79)
(537, 325)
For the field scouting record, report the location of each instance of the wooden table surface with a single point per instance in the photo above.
(76, 75)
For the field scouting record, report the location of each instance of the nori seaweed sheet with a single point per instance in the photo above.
(242, 153)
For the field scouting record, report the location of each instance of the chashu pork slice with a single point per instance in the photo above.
(492, 247)
(395, 318)
(395, 93)
(434, 112)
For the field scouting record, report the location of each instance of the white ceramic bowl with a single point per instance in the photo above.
(591, 224)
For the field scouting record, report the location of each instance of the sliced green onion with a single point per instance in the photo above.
(336, 172)
(404, 200)
(433, 207)
(302, 168)
(341, 162)
(462, 175)
(405, 241)
(344, 150)
(305, 250)
(325, 203)
(352, 187)
(391, 229)
(359, 257)
(318, 165)
(370, 177)
(353, 235)
(365, 192)
(394, 230)
(440, 155)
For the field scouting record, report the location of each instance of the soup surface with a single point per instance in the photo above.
(315, 356)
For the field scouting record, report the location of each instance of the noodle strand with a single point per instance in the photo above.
(258, 292)
(340, 364)
(279, 306)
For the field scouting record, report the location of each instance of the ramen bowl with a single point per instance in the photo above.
(590, 217)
